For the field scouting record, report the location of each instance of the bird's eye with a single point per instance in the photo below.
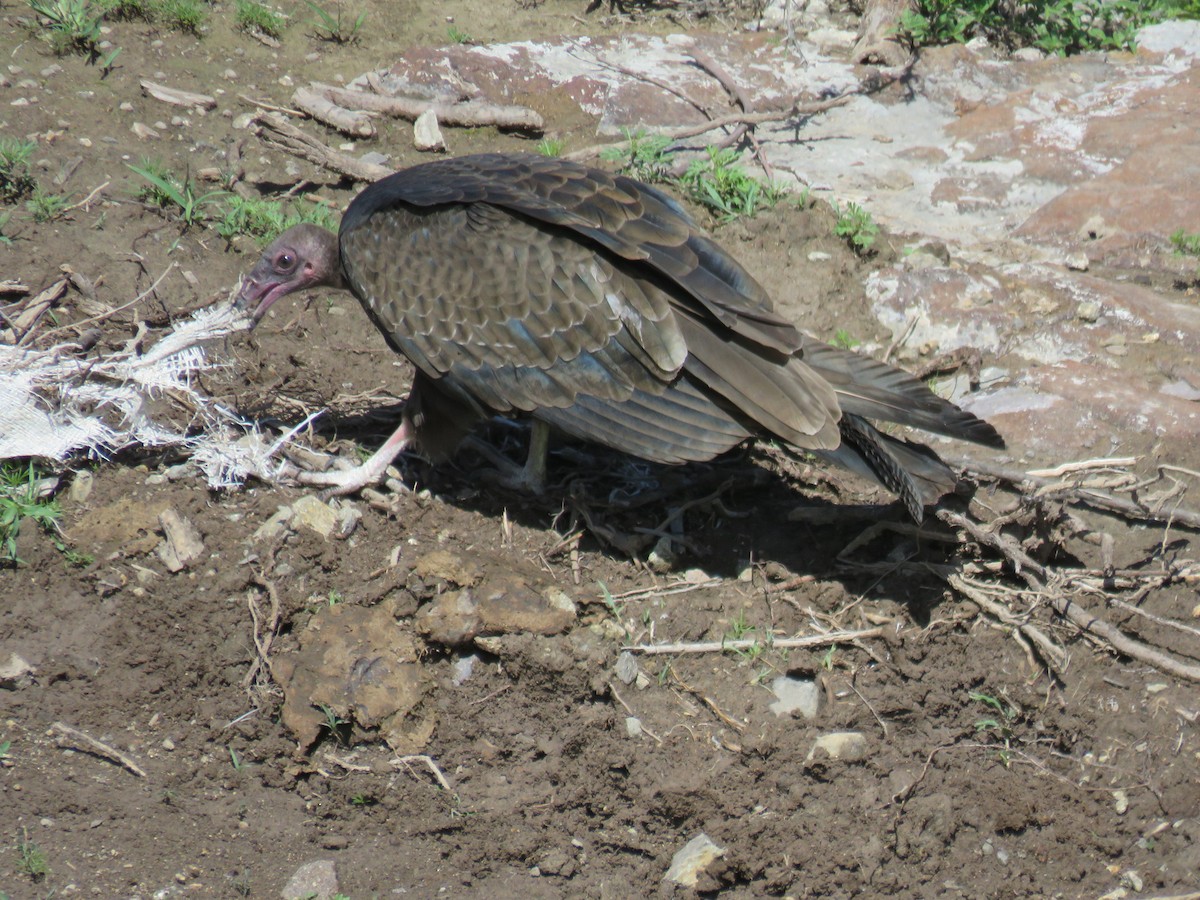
(285, 261)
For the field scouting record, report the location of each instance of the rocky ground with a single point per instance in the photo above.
(246, 692)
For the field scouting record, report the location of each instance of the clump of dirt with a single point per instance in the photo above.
(512, 762)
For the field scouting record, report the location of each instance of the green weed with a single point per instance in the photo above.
(644, 156)
(46, 207)
(264, 220)
(999, 726)
(31, 860)
(167, 191)
(858, 228)
(250, 15)
(458, 36)
(1059, 27)
(338, 728)
(16, 178)
(73, 25)
(725, 189)
(20, 499)
(1186, 243)
(128, 10)
(4, 748)
(4, 219)
(333, 27)
(843, 341)
(187, 16)
(550, 147)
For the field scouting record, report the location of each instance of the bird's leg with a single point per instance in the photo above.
(348, 481)
(530, 477)
(533, 475)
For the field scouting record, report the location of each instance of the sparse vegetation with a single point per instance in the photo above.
(45, 206)
(550, 147)
(644, 156)
(16, 179)
(458, 36)
(1059, 27)
(716, 181)
(719, 184)
(1186, 243)
(264, 220)
(858, 228)
(129, 10)
(187, 16)
(843, 340)
(4, 219)
(31, 860)
(73, 26)
(338, 728)
(999, 726)
(336, 26)
(170, 192)
(20, 499)
(250, 15)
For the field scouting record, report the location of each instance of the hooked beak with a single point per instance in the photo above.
(258, 296)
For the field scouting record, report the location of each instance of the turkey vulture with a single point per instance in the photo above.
(592, 303)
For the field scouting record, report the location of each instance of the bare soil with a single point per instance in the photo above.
(1074, 787)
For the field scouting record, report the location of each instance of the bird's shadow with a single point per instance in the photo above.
(759, 504)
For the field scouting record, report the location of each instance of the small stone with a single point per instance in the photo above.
(1132, 879)
(335, 842)
(843, 745)
(1156, 688)
(229, 75)
(51, 70)
(168, 744)
(1028, 54)
(427, 136)
(312, 881)
(662, 557)
(633, 726)
(464, 667)
(819, 256)
(181, 545)
(452, 619)
(274, 526)
(1088, 311)
(143, 131)
(794, 695)
(315, 515)
(81, 487)
(1120, 802)
(692, 859)
(1077, 262)
(16, 672)
(626, 667)
(125, 106)
(242, 122)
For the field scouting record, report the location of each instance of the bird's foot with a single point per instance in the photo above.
(529, 478)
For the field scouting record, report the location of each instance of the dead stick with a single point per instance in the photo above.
(468, 114)
(324, 109)
(687, 131)
(86, 741)
(1184, 516)
(816, 640)
(278, 132)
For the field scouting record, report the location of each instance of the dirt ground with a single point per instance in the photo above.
(566, 775)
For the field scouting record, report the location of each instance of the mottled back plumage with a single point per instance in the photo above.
(525, 284)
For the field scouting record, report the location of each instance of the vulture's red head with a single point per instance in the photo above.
(304, 256)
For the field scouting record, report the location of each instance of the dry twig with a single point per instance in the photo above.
(89, 744)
